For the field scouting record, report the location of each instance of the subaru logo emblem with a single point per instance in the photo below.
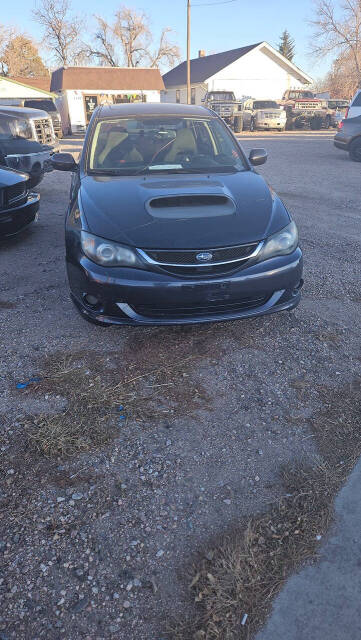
(205, 256)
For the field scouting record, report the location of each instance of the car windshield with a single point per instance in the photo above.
(9, 129)
(300, 95)
(265, 104)
(221, 96)
(132, 146)
(44, 105)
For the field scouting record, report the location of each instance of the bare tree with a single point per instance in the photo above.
(103, 49)
(167, 53)
(132, 30)
(62, 30)
(128, 40)
(338, 30)
(5, 35)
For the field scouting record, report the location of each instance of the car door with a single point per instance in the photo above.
(355, 106)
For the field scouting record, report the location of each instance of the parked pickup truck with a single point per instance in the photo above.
(336, 112)
(27, 141)
(303, 110)
(44, 104)
(226, 106)
(263, 114)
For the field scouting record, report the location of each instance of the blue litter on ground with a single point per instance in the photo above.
(23, 385)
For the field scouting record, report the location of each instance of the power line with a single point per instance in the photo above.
(212, 4)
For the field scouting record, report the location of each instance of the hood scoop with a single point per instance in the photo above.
(190, 206)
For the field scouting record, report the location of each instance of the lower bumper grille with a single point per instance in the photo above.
(203, 310)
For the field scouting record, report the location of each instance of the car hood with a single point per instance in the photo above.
(121, 209)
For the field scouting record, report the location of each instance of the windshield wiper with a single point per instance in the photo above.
(213, 169)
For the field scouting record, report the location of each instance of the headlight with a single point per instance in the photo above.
(280, 243)
(260, 115)
(23, 129)
(107, 253)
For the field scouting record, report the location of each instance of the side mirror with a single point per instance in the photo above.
(63, 162)
(257, 157)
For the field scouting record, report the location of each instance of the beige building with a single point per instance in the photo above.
(79, 90)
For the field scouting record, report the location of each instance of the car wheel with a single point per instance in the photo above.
(238, 124)
(355, 150)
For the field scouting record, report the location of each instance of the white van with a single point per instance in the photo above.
(355, 105)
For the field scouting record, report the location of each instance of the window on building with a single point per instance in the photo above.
(193, 95)
(177, 95)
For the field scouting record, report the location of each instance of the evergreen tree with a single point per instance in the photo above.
(287, 45)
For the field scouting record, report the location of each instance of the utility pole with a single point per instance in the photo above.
(188, 51)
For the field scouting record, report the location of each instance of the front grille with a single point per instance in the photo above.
(188, 257)
(203, 310)
(14, 195)
(272, 115)
(43, 131)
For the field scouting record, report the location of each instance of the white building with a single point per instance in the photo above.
(80, 89)
(257, 71)
(14, 89)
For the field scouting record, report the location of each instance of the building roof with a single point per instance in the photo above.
(17, 81)
(204, 67)
(106, 78)
(141, 109)
(42, 83)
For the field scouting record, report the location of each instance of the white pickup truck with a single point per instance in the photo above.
(263, 114)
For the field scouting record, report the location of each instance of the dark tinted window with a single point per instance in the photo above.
(171, 144)
(221, 95)
(44, 105)
(265, 104)
(357, 100)
(300, 94)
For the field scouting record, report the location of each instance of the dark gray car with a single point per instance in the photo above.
(169, 223)
(348, 137)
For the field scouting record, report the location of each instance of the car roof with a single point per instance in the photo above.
(22, 111)
(152, 109)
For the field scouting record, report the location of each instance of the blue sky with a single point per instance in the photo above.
(214, 28)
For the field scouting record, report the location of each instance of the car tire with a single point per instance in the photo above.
(355, 150)
(238, 124)
(316, 123)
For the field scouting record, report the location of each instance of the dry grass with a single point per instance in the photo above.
(243, 571)
(93, 394)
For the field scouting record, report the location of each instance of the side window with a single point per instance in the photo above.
(193, 95)
(357, 100)
(177, 95)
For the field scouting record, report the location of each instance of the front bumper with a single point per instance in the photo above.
(140, 297)
(18, 218)
(271, 124)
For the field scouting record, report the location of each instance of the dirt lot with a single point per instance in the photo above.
(100, 525)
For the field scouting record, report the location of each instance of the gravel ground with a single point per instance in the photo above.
(95, 545)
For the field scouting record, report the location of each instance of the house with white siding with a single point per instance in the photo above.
(256, 71)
